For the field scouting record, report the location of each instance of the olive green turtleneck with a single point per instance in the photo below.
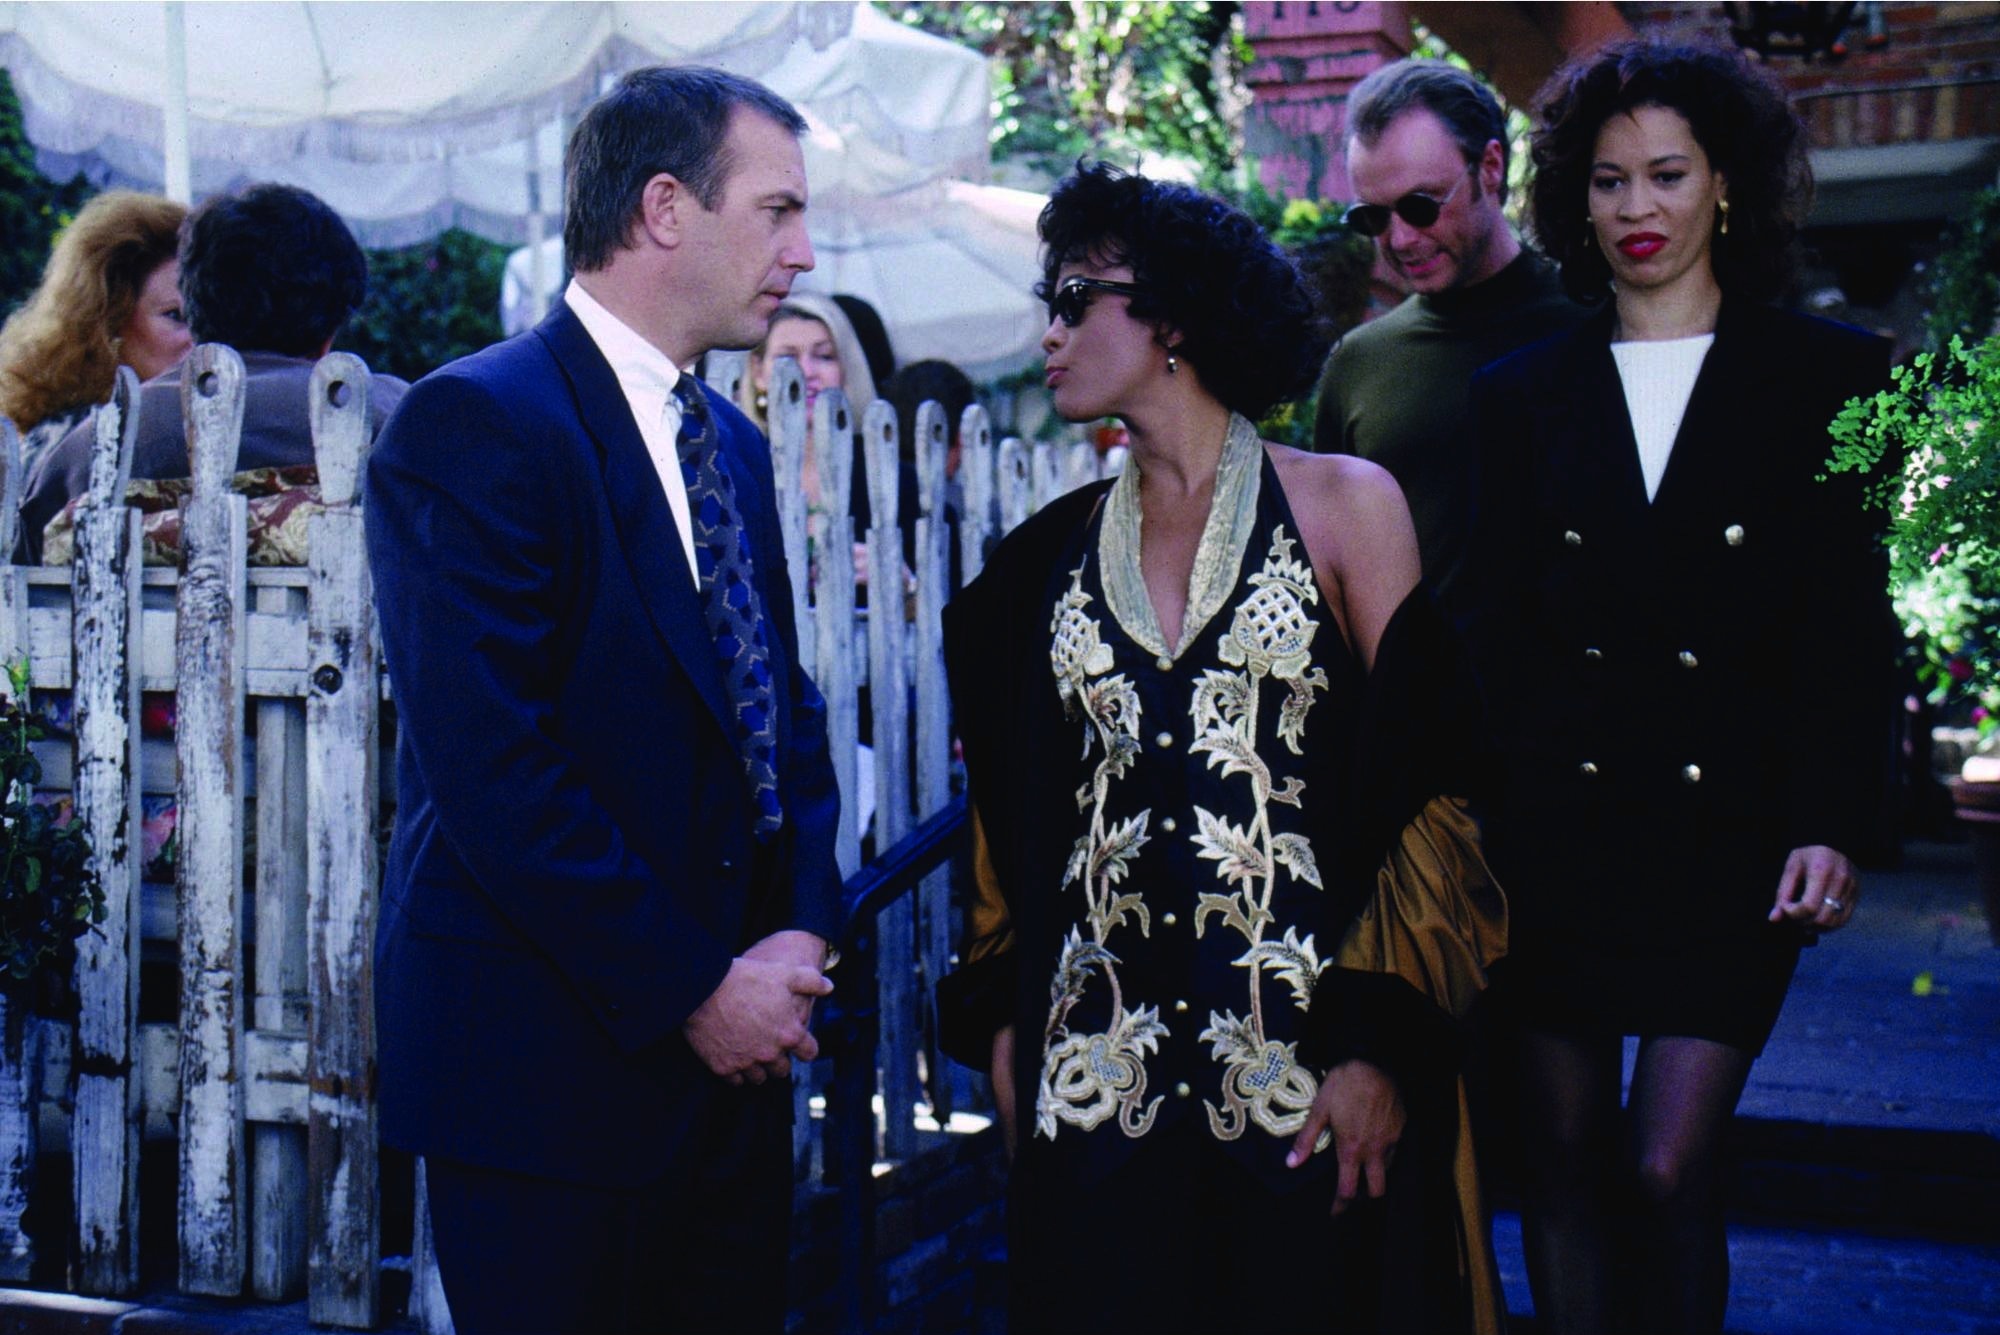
(1395, 392)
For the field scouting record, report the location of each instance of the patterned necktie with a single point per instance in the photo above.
(729, 595)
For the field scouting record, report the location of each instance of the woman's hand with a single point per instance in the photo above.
(1819, 888)
(1003, 1088)
(1362, 1107)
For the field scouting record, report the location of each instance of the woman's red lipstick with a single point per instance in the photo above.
(1641, 245)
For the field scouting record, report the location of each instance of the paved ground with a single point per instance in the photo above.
(1868, 1196)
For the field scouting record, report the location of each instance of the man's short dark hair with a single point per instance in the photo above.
(269, 269)
(1468, 110)
(665, 118)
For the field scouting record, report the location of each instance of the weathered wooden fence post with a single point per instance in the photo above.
(20, 1089)
(343, 1223)
(975, 468)
(1047, 471)
(104, 1136)
(833, 606)
(787, 400)
(280, 1012)
(933, 756)
(889, 705)
(209, 665)
(1017, 489)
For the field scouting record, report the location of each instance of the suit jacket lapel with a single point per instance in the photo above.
(1599, 468)
(1702, 469)
(645, 526)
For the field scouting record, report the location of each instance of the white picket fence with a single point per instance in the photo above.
(267, 1080)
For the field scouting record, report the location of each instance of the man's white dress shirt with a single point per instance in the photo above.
(648, 377)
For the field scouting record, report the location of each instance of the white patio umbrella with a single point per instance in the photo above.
(411, 117)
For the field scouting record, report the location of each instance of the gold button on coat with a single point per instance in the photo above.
(1688, 659)
(1593, 655)
(1180, 1008)
(1690, 774)
(1169, 919)
(1170, 824)
(1588, 769)
(1572, 537)
(1183, 1089)
(1165, 739)
(1163, 663)
(1733, 535)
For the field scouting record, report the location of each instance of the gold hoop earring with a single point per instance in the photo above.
(1173, 364)
(1723, 204)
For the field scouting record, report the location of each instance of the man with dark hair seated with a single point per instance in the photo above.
(272, 272)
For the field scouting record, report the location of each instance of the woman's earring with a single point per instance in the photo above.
(763, 401)
(1173, 364)
(1723, 204)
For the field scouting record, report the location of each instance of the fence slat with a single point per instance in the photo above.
(975, 466)
(933, 754)
(1046, 467)
(889, 710)
(835, 671)
(1016, 482)
(20, 1092)
(209, 872)
(343, 1226)
(787, 410)
(278, 1153)
(104, 1139)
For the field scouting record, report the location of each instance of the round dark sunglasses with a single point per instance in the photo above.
(1416, 208)
(1072, 299)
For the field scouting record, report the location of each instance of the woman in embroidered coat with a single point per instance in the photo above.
(1685, 639)
(1226, 916)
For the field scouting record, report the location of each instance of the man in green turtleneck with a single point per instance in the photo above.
(1427, 154)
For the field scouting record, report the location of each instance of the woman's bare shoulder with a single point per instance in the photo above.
(1342, 487)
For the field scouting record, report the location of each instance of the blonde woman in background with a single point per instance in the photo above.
(813, 329)
(109, 297)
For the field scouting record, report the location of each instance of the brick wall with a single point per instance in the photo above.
(1935, 78)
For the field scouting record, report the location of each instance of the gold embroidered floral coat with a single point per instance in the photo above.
(1195, 899)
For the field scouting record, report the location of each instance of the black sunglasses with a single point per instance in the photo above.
(1416, 208)
(1072, 299)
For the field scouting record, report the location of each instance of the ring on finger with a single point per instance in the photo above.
(1833, 904)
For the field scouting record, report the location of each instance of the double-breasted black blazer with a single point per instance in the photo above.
(1684, 689)
(573, 865)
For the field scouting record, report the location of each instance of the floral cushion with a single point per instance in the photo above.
(280, 501)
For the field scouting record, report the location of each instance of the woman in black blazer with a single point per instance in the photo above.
(1683, 636)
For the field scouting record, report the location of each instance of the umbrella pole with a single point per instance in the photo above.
(179, 172)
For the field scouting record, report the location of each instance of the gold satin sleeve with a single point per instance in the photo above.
(989, 928)
(1438, 920)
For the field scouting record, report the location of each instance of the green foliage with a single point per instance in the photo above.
(428, 305)
(1113, 80)
(33, 209)
(49, 894)
(1965, 282)
(1935, 438)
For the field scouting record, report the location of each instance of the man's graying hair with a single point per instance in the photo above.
(1470, 113)
(665, 118)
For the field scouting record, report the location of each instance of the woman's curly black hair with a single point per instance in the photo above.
(1740, 118)
(1244, 312)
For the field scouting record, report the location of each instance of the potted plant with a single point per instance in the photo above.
(49, 896)
(1935, 437)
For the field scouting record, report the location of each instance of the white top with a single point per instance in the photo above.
(648, 377)
(1659, 379)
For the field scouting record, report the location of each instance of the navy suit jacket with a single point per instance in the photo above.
(573, 864)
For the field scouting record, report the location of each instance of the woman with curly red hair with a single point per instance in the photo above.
(109, 297)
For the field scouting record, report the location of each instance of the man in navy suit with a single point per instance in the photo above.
(611, 886)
